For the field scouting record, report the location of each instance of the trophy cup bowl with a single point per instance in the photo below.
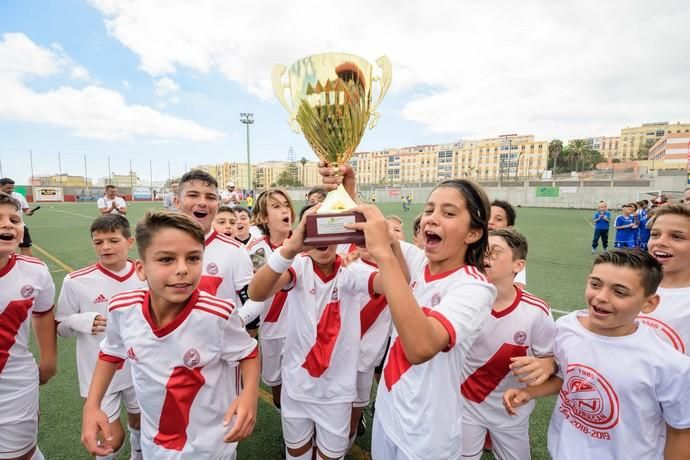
(331, 106)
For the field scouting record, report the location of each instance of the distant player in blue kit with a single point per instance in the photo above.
(626, 228)
(642, 219)
(601, 220)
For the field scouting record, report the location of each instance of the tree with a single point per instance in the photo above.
(577, 150)
(555, 150)
(643, 151)
(286, 178)
(303, 161)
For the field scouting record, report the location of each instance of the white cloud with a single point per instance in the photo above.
(92, 112)
(80, 73)
(165, 86)
(469, 68)
(126, 84)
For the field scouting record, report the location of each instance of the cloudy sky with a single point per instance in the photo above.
(164, 81)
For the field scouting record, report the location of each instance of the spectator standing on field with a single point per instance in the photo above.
(229, 196)
(7, 186)
(110, 203)
(626, 227)
(168, 202)
(602, 221)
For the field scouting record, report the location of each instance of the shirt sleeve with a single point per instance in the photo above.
(237, 344)
(463, 309)
(243, 269)
(101, 203)
(543, 333)
(356, 278)
(414, 257)
(45, 299)
(121, 202)
(112, 346)
(672, 390)
(22, 201)
(70, 319)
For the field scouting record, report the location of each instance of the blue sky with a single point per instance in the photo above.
(165, 81)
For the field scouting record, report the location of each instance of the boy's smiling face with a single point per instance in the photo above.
(615, 297)
(242, 225)
(11, 229)
(199, 201)
(172, 266)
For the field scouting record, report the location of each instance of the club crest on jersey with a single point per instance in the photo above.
(212, 269)
(27, 291)
(435, 299)
(520, 337)
(258, 258)
(192, 358)
(589, 398)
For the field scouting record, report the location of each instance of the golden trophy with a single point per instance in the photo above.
(331, 106)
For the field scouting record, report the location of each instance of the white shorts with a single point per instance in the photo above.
(112, 401)
(364, 383)
(510, 443)
(382, 447)
(271, 360)
(16, 439)
(330, 422)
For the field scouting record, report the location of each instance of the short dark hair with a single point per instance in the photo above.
(509, 210)
(109, 186)
(7, 199)
(416, 224)
(6, 181)
(240, 208)
(304, 209)
(315, 190)
(155, 221)
(111, 223)
(515, 241)
(197, 174)
(225, 209)
(650, 269)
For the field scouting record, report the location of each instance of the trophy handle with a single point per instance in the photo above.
(385, 81)
(279, 88)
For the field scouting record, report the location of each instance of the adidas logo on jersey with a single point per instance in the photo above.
(131, 355)
(100, 299)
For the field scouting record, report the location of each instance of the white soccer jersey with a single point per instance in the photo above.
(671, 319)
(84, 295)
(412, 399)
(618, 393)
(104, 202)
(524, 328)
(322, 342)
(227, 267)
(273, 317)
(25, 287)
(185, 373)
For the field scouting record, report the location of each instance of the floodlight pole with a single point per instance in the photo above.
(248, 119)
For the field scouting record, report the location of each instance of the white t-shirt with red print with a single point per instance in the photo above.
(671, 318)
(618, 393)
(227, 267)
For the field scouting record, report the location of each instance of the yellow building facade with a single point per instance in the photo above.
(502, 158)
(264, 174)
(634, 138)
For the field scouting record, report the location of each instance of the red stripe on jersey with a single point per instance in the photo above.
(129, 295)
(484, 380)
(397, 363)
(41, 313)
(319, 357)
(371, 311)
(447, 326)
(536, 302)
(210, 284)
(216, 302)
(428, 277)
(180, 390)
(276, 307)
(211, 237)
(114, 307)
(111, 359)
(83, 271)
(8, 266)
(230, 241)
(208, 310)
(255, 242)
(11, 320)
(31, 260)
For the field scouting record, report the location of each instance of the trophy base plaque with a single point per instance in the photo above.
(327, 229)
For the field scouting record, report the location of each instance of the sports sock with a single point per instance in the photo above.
(38, 455)
(112, 456)
(135, 443)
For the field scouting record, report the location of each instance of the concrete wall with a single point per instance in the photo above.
(572, 194)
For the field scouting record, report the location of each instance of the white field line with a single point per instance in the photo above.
(69, 212)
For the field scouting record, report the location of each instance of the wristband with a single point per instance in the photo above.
(278, 263)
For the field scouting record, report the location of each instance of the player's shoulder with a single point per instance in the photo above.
(212, 305)
(533, 302)
(30, 261)
(472, 274)
(127, 299)
(228, 241)
(83, 272)
(257, 243)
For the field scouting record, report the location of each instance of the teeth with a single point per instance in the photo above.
(662, 254)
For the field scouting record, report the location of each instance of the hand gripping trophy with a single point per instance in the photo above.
(331, 105)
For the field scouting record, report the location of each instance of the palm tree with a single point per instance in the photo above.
(303, 161)
(555, 149)
(577, 149)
